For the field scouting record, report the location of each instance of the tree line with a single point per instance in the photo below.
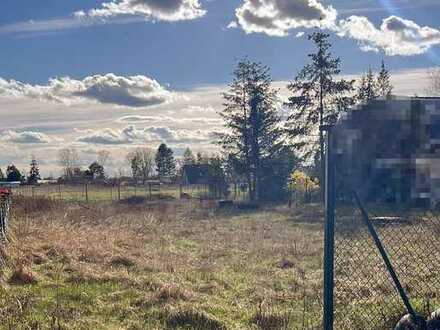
(259, 149)
(263, 148)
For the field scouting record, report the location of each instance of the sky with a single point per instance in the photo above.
(118, 74)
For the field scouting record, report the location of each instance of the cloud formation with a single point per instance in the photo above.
(132, 135)
(396, 36)
(26, 137)
(163, 10)
(134, 119)
(277, 17)
(131, 91)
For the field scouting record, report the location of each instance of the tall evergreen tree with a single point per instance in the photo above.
(368, 89)
(165, 163)
(34, 172)
(384, 86)
(2, 176)
(317, 99)
(251, 120)
(360, 94)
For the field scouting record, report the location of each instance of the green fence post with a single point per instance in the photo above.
(329, 233)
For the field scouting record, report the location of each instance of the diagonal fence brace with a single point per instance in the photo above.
(384, 254)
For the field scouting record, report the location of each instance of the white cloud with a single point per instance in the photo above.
(164, 10)
(133, 135)
(277, 17)
(105, 136)
(26, 137)
(131, 91)
(232, 25)
(396, 36)
(135, 119)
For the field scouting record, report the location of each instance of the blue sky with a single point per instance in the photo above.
(183, 53)
(122, 74)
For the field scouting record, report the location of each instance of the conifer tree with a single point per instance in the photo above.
(253, 136)
(34, 172)
(384, 86)
(188, 157)
(165, 163)
(368, 89)
(317, 99)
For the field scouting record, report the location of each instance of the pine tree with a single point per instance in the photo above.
(368, 89)
(165, 163)
(34, 172)
(317, 99)
(360, 94)
(251, 120)
(188, 157)
(384, 86)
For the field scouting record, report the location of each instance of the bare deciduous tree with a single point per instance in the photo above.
(141, 162)
(68, 159)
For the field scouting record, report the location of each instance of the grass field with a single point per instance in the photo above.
(167, 265)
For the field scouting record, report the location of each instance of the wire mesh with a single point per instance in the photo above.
(365, 295)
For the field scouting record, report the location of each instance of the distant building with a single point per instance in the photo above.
(390, 150)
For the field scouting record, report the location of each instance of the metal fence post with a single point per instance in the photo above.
(329, 234)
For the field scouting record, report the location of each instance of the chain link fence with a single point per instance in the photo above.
(365, 294)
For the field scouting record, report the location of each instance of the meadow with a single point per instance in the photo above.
(168, 265)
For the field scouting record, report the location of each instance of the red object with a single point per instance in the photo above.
(5, 192)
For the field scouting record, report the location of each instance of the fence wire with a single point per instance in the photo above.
(365, 295)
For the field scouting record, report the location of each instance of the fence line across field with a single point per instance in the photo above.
(90, 192)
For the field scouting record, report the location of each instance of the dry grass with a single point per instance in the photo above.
(168, 265)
